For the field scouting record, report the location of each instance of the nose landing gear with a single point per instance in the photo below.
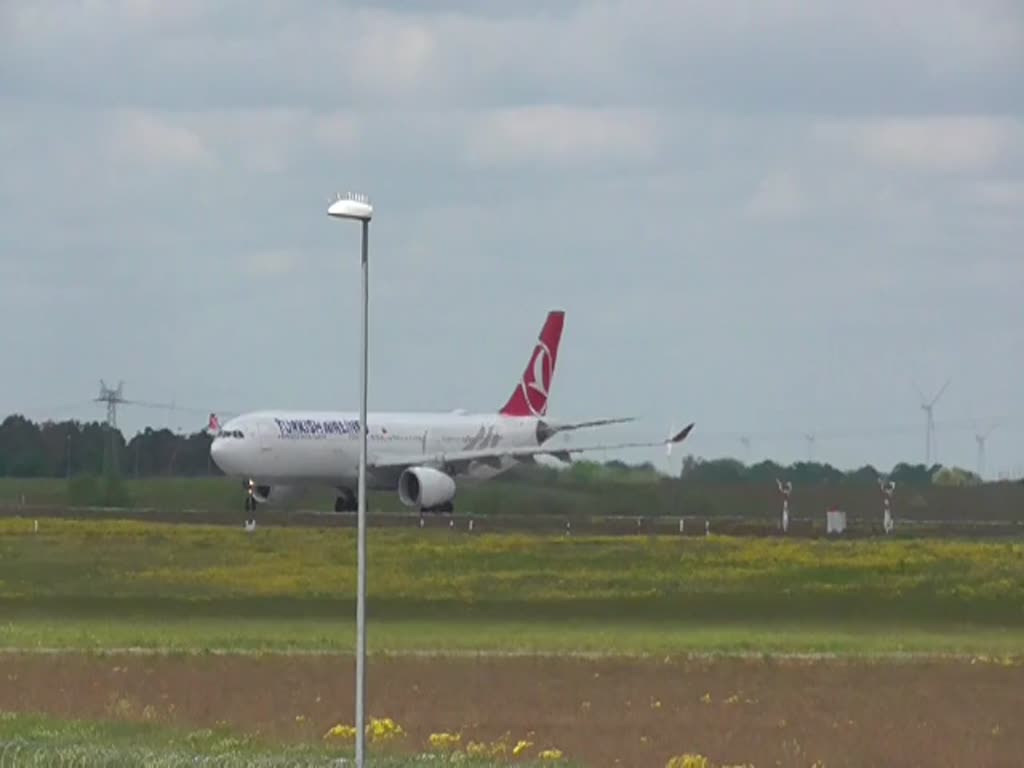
(250, 504)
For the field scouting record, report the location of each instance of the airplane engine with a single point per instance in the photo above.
(277, 495)
(425, 487)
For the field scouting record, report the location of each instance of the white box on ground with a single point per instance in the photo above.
(835, 521)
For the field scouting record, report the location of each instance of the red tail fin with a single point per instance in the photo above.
(530, 397)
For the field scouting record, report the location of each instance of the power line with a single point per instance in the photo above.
(112, 397)
(47, 410)
(811, 438)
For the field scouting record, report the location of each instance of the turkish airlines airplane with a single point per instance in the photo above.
(281, 454)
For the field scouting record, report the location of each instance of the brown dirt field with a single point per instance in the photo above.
(630, 713)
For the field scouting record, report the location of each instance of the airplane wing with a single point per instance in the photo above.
(453, 459)
(547, 429)
(559, 427)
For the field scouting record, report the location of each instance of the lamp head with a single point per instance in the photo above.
(351, 205)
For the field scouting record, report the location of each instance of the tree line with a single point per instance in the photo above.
(729, 472)
(72, 448)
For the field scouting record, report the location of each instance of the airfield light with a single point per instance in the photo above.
(785, 489)
(358, 207)
(888, 489)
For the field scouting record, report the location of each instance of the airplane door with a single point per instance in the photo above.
(339, 455)
(265, 435)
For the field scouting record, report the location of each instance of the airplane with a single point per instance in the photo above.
(281, 454)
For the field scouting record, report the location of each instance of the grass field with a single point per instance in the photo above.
(158, 493)
(36, 739)
(157, 643)
(115, 583)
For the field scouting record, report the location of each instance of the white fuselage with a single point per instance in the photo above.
(322, 447)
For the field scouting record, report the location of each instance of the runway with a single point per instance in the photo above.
(537, 524)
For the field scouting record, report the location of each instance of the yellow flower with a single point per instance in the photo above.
(687, 761)
(550, 754)
(482, 749)
(383, 729)
(341, 732)
(445, 742)
(521, 746)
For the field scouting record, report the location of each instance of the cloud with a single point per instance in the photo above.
(939, 144)
(778, 196)
(270, 263)
(1001, 193)
(337, 131)
(393, 52)
(562, 136)
(271, 140)
(681, 164)
(737, 55)
(156, 141)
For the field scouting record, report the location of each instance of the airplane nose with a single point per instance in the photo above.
(217, 451)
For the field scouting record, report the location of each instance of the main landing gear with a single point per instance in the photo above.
(346, 501)
(446, 508)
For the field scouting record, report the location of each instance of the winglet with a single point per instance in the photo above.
(213, 426)
(678, 437)
(681, 435)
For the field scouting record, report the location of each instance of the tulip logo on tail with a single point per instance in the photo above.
(530, 397)
(537, 380)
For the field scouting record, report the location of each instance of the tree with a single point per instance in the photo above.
(714, 472)
(22, 453)
(955, 476)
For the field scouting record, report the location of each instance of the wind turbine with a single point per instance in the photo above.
(668, 453)
(928, 406)
(811, 439)
(981, 437)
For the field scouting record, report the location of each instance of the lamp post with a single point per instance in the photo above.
(356, 206)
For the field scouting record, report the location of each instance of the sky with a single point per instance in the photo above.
(772, 218)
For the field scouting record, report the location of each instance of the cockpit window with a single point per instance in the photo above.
(232, 433)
